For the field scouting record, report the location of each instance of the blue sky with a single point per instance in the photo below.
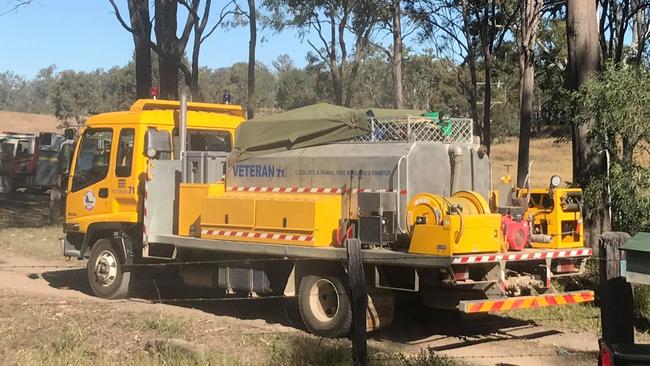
(84, 35)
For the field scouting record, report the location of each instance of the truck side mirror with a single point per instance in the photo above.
(158, 144)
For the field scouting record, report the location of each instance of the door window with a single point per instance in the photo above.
(93, 158)
(125, 153)
(207, 140)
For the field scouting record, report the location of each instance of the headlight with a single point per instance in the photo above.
(556, 181)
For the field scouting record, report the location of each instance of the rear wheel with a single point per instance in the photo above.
(324, 306)
(105, 272)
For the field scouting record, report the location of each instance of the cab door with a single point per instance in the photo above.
(124, 191)
(88, 199)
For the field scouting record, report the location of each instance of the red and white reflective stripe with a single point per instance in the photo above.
(256, 235)
(488, 258)
(145, 239)
(308, 190)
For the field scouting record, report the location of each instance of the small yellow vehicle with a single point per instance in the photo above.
(272, 205)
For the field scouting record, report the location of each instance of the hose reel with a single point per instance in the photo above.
(427, 208)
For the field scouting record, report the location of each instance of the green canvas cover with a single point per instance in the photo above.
(312, 125)
(301, 127)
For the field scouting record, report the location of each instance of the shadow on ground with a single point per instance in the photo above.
(19, 209)
(169, 289)
(411, 325)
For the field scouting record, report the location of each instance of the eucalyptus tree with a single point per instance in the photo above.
(327, 26)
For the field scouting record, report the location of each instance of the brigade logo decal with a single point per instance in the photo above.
(89, 200)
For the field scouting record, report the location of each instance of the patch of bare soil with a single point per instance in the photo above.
(27, 122)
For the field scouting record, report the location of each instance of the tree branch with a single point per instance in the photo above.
(222, 17)
(17, 5)
(118, 15)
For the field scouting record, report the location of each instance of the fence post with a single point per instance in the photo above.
(616, 300)
(359, 297)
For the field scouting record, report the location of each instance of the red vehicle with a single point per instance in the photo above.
(29, 160)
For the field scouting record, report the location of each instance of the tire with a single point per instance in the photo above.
(105, 274)
(324, 306)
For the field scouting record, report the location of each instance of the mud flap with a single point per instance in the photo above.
(359, 296)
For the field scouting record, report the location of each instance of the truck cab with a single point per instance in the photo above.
(110, 163)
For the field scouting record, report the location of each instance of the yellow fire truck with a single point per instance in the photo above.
(270, 206)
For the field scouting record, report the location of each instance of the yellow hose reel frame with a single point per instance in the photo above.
(433, 207)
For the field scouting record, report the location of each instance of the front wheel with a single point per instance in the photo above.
(105, 273)
(324, 306)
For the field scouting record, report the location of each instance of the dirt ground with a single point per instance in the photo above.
(47, 315)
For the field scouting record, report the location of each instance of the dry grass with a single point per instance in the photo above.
(116, 334)
(27, 122)
(549, 158)
(577, 317)
(34, 242)
(111, 335)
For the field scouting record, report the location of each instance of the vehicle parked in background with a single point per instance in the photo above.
(30, 161)
(58, 188)
(7, 151)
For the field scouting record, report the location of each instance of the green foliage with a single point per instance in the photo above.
(617, 102)
(295, 89)
(642, 307)
(629, 187)
(432, 84)
(76, 95)
(11, 88)
(550, 62)
(429, 83)
(214, 82)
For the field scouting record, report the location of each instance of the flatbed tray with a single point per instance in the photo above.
(374, 256)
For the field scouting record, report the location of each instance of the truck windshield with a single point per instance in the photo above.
(93, 158)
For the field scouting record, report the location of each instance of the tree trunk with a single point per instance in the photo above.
(139, 15)
(526, 88)
(583, 62)
(628, 151)
(169, 59)
(530, 13)
(194, 78)
(473, 75)
(487, 100)
(251, 58)
(398, 97)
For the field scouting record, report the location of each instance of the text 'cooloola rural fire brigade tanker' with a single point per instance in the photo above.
(269, 205)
